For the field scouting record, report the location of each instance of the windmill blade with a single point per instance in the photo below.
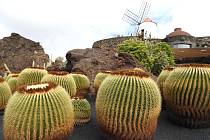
(130, 17)
(143, 12)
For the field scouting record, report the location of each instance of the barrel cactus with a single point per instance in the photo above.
(40, 111)
(63, 79)
(31, 76)
(11, 75)
(82, 84)
(161, 80)
(12, 82)
(5, 93)
(99, 79)
(187, 95)
(128, 104)
(82, 110)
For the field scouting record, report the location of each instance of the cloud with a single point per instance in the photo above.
(62, 25)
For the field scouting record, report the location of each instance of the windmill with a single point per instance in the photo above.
(137, 19)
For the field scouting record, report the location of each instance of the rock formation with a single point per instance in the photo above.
(18, 53)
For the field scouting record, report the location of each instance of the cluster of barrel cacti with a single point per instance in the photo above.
(128, 105)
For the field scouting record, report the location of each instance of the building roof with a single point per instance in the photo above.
(178, 32)
(149, 20)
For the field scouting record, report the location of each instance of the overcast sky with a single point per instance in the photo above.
(62, 25)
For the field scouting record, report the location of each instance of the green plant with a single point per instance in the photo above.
(99, 79)
(63, 79)
(82, 84)
(30, 76)
(12, 82)
(40, 111)
(187, 95)
(153, 55)
(161, 80)
(128, 104)
(82, 110)
(10, 75)
(5, 93)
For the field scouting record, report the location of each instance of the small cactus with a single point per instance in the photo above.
(128, 105)
(12, 82)
(161, 80)
(99, 79)
(82, 110)
(82, 84)
(5, 93)
(30, 76)
(40, 111)
(187, 95)
(63, 79)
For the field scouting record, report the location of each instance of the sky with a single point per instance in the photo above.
(63, 25)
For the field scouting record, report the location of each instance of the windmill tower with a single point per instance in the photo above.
(136, 20)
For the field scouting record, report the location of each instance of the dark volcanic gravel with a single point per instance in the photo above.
(166, 130)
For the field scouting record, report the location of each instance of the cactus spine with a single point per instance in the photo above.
(42, 111)
(63, 79)
(30, 76)
(5, 93)
(82, 110)
(187, 94)
(128, 105)
(82, 84)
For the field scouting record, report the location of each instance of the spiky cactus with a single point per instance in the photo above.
(31, 76)
(41, 111)
(161, 80)
(11, 75)
(5, 93)
(82, 84)
(128, 104)
(12, 82)
(99, 79)
(63, 79)
(187, 95)
(82, 110)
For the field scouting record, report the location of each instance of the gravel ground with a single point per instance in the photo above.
(166, 130)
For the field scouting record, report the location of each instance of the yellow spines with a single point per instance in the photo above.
(63, 79)
(187, 95)
(82, 110)
(82, 84)
(30, 76)
(41, 111)
(128, 105)
(5, 93)
(99, 79)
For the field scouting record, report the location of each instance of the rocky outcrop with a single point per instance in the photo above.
(18, 53)
(90, 61)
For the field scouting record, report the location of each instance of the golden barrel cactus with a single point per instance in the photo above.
(5, 93)
(39, 112)
(128, 105)
(82, 110)
(82, 84)
(99, 79)
(187, 95)
(63, 79)
(31, 76)
(12, 82)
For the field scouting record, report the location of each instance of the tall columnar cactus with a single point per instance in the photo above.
(12, 82)
(128, 105)
(99, 79)
(31, 76)
(187, 95)
(5, 93)
(63, 79)
(82, 84)
(41, 111)
(161, 80)
(82, 110)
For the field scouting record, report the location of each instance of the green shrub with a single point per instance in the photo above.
(187, 95)
(128, 105)
(153, 55)
(39, 112)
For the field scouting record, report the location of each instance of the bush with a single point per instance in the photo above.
(153, 55)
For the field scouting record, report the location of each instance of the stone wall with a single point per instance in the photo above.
(18, 53)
